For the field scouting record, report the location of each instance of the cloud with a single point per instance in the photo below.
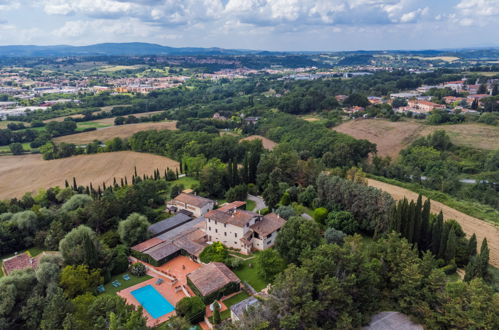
(9, 5)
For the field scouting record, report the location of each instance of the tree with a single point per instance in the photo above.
(216, 313)
(484, 258)
(450, 249)
(138, 269)
(214, 252)
(119, 120)
(81, 247)
(269, 264)
(191, 308)
(320, 215)
(134, 229)
(333, 236)
(237, 193)
(16, 148)
(76, 202)
(436, 235)
(76, 280)
(472, 245)
(285, 212)
(342, 221)
(296, 237)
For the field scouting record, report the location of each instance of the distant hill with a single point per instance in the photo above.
(113, 49)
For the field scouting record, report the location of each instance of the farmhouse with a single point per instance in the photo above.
(197, 205)
(423, 106)
(212, 281)
(242, 230)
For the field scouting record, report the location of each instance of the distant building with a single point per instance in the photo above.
(18, 262)
(407, 95)
(423, 106)
(341, 98)
(457, 86)
(192, 203)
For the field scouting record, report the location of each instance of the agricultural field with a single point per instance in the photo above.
(108, 133)
(110, 121)
(392, 137)
(30, 173)
(469, 224)
(267, 143)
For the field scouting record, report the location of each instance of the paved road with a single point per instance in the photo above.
(260, 204)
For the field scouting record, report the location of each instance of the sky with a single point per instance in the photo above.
(279, 25)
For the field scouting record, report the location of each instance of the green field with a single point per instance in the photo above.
(250, 205)
(250, 274)
(187, 181)
(232, 301)
(6, 149)
(88, 124)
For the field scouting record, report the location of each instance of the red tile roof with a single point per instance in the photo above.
(237, 218)
(269, 224)
(233, 205)
(192, 200)
(18, 262)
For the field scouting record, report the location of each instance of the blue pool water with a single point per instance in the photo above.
(154, 303)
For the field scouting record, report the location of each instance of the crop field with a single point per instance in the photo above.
(469, 224)
(110, 121)
(30, 173)
(267, 143)
(108, 133)
(392, 137)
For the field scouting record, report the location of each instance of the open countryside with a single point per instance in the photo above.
(30, 173)
(392, 137)
(108, 133)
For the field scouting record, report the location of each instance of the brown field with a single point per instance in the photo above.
(63, 117)
(110, 121)
(267, 144)
(469, 224)
(391, 137)
(30, 173)
(108, 133)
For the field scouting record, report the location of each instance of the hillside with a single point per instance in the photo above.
(29, 173)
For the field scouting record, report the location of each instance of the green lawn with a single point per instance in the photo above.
(250, 274)
(250, 205)
(110, 289)
(6, 149)
(236, 299)
(187, 181)
(87, 124)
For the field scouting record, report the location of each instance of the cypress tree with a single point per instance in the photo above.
(436, 234)
(126, 181)
(425, 232)
(66, 184)
(180, 166)
(176, 173)
(450, 249)
(417, 220)
(99, 191)
(404, 215)
(166, 171)
(411, 222)
(471, 269)
(443, 240)
(135, 170)
(235, 175)
(245, 170)
(472, 246)
(114, 181)
(87, 190)
(122, 182)
(484, 258)
(104, 186)
(230, 176)
(75, 186)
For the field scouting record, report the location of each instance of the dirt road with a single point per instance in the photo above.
(469, 224)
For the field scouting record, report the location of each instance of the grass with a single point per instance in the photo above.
(250, 205)
(187, 181)
(110, 289)
(250, 275)
(473, 209)
(6, 149)
(87, 124)
(232, 301)
(32, 252)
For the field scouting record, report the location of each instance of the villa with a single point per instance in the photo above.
(197, 205)
(242, 230)
(213, 281)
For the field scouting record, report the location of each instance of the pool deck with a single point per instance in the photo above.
(177, 268)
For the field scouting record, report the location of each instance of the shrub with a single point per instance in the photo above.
(214, 252)
(343, 221)
(450, 268)
(138, 269)
(192, 308)
(334, 236)
(320, 215)
(233, 263)
(285, 212)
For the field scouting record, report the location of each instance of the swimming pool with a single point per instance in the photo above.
(154, 303)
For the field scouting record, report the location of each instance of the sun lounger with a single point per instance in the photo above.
(101, 288)
(159, 281)
(126, 277)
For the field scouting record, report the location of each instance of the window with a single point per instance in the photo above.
(225, 225)
(209, 220)
(235, 243)
(216, 231)
(215, 222)
(269, 235)
(225, 233)
(209, 228)
(235, 234)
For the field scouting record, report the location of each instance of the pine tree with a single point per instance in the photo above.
(472, 246)
(450, 249)
(436, 233)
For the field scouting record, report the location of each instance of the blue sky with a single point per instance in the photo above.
(255, 24)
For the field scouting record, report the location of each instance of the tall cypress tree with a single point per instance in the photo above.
(472, 246)
(436, 233)
(235, 175)
(245, 170)
(66, 184)
(450, 249)
(75, 186)
(484, 258)
(425, 232)
(443, 240)
(411, 219)
(417, 220)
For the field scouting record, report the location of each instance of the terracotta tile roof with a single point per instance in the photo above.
(18, 262)
(228, 206)
(141, 247)
(212, 277)
(269, 224)
(192, 200)
(237, 218)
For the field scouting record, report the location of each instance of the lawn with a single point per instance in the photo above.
(89, 124)
(250, 205)
(250, 274)
(187, 181)
(110, 289)
(6, 149)
(232, 301)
